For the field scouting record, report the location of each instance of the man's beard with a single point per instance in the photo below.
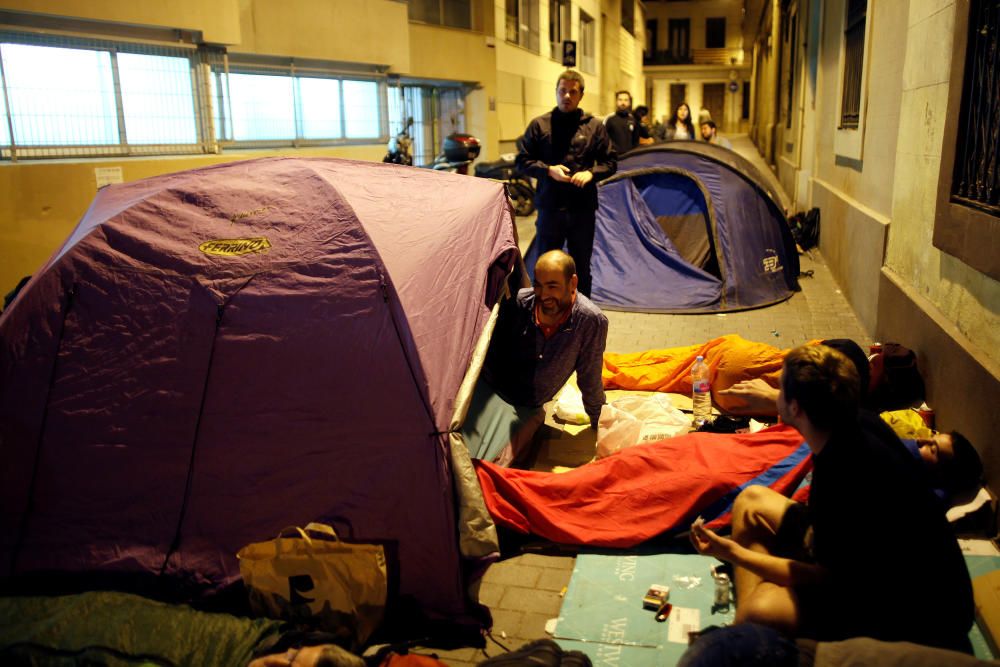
(556, 307)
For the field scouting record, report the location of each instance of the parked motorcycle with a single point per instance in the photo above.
(400, 147)
(459, 152)
(520, 190)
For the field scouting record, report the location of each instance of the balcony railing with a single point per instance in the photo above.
(695, 57)
(666, 58)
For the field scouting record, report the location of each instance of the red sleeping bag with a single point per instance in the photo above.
(643, 491)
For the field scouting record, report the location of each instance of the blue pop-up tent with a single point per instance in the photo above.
(689, 227)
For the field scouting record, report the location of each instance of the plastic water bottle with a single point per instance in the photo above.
(701, 392)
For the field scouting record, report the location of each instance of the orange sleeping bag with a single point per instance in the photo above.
(730, 359)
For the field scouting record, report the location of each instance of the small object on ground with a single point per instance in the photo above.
(655, 596)
(550, 625)
(663, 612)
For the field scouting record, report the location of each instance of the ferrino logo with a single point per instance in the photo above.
(771, 262)
(234, 247)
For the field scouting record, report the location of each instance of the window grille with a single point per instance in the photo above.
(854, 56)
(64, 97)
(976, 180)
(267, 105)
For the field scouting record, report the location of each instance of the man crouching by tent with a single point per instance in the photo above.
(542, 336)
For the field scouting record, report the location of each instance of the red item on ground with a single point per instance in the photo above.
(629, 497)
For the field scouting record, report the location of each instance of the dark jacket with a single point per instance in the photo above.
(624, 131)
(588, 148)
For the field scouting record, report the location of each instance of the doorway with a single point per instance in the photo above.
(713, 97)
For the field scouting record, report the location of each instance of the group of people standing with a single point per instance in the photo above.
(568, 152)
(630, 127)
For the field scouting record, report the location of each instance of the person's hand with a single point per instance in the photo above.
(581, 178)
(757, 397)
(708, 543)
(559, 172)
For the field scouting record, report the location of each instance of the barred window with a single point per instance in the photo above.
(976, 180)
(967, 216)
(451, 13)
(262, 107)
(260, 104)
(854, 57)
(522, 23)
(63, 97)
(559, 12)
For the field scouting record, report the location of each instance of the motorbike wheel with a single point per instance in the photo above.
(522, 197)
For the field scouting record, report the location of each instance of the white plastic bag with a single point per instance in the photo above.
(569, 406)
(634, 420)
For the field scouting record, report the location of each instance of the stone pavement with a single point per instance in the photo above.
(524, 591)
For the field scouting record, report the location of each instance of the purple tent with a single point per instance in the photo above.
(217, 354)
(689, 227)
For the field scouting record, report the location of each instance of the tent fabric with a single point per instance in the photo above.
(730, 359)
(650, 253)
(644, 491)
(217, 354)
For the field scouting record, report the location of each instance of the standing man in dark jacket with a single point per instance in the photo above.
(569, 152)
(623, 126)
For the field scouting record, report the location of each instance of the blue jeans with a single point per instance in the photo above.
(743, 645)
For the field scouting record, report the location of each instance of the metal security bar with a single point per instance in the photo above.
(269, 104)
(854, 57)
(976, 179)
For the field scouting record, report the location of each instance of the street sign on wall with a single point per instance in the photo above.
(569, 53)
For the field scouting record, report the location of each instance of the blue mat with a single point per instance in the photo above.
(602, 612)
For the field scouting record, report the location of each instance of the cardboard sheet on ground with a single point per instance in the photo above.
(602, 613)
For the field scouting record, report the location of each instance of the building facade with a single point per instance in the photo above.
(101, 91)
(885, 117)
(694, 53)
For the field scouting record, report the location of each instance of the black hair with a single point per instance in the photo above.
(640, 111)
(964, 472)
(687, 121)
(624, 92)
(709, 122)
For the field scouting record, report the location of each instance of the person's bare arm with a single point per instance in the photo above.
(781, 571)
(757, 396)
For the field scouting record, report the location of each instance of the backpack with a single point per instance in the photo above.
(895, 382)
(805, 228)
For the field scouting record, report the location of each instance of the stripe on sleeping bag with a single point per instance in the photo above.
(783, 477)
